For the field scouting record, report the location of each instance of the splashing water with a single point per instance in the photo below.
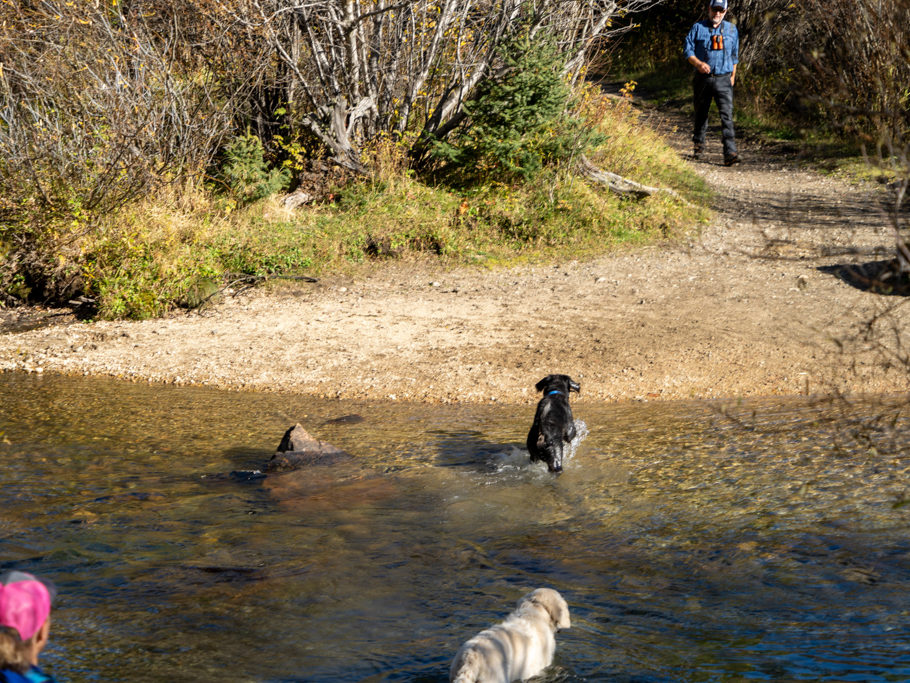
(581, 433)
(516, 460)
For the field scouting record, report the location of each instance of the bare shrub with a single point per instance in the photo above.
(98, 104)
(352, 70)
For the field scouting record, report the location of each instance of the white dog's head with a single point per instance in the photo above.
(554, 604)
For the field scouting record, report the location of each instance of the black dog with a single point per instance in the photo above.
(553, 425)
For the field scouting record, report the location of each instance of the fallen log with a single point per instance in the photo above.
(623, 186)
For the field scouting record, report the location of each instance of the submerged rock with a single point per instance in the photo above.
(345, 420)
(298, 448)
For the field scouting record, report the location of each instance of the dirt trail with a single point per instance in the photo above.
(708, 318)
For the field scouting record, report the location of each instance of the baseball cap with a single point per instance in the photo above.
(25, 602)
(721, 4)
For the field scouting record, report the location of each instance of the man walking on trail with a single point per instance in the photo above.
(712, 47)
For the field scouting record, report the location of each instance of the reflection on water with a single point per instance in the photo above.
(767, 544)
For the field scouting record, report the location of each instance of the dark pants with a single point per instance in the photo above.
(716, 88)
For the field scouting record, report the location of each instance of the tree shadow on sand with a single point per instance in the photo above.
(878, 277)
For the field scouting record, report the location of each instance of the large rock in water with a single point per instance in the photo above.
(299, 448)
(348, 483)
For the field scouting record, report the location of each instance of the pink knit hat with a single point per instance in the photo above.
(25, 602)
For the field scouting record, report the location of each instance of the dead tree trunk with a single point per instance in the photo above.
(623, 186)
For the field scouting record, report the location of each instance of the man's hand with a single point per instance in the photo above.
(700, 66)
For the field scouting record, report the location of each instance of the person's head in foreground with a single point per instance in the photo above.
(25, 622)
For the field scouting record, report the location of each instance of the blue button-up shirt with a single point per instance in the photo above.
(699, 43)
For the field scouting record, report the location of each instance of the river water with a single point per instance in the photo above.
(694, 541)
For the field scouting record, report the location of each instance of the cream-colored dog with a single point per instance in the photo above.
(520, 647)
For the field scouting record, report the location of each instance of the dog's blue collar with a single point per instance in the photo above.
(555, 391)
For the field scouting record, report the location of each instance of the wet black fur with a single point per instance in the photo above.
(554, 425)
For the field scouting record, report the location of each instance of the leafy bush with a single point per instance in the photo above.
(245, 174)
(517, 123)
(179, 244)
